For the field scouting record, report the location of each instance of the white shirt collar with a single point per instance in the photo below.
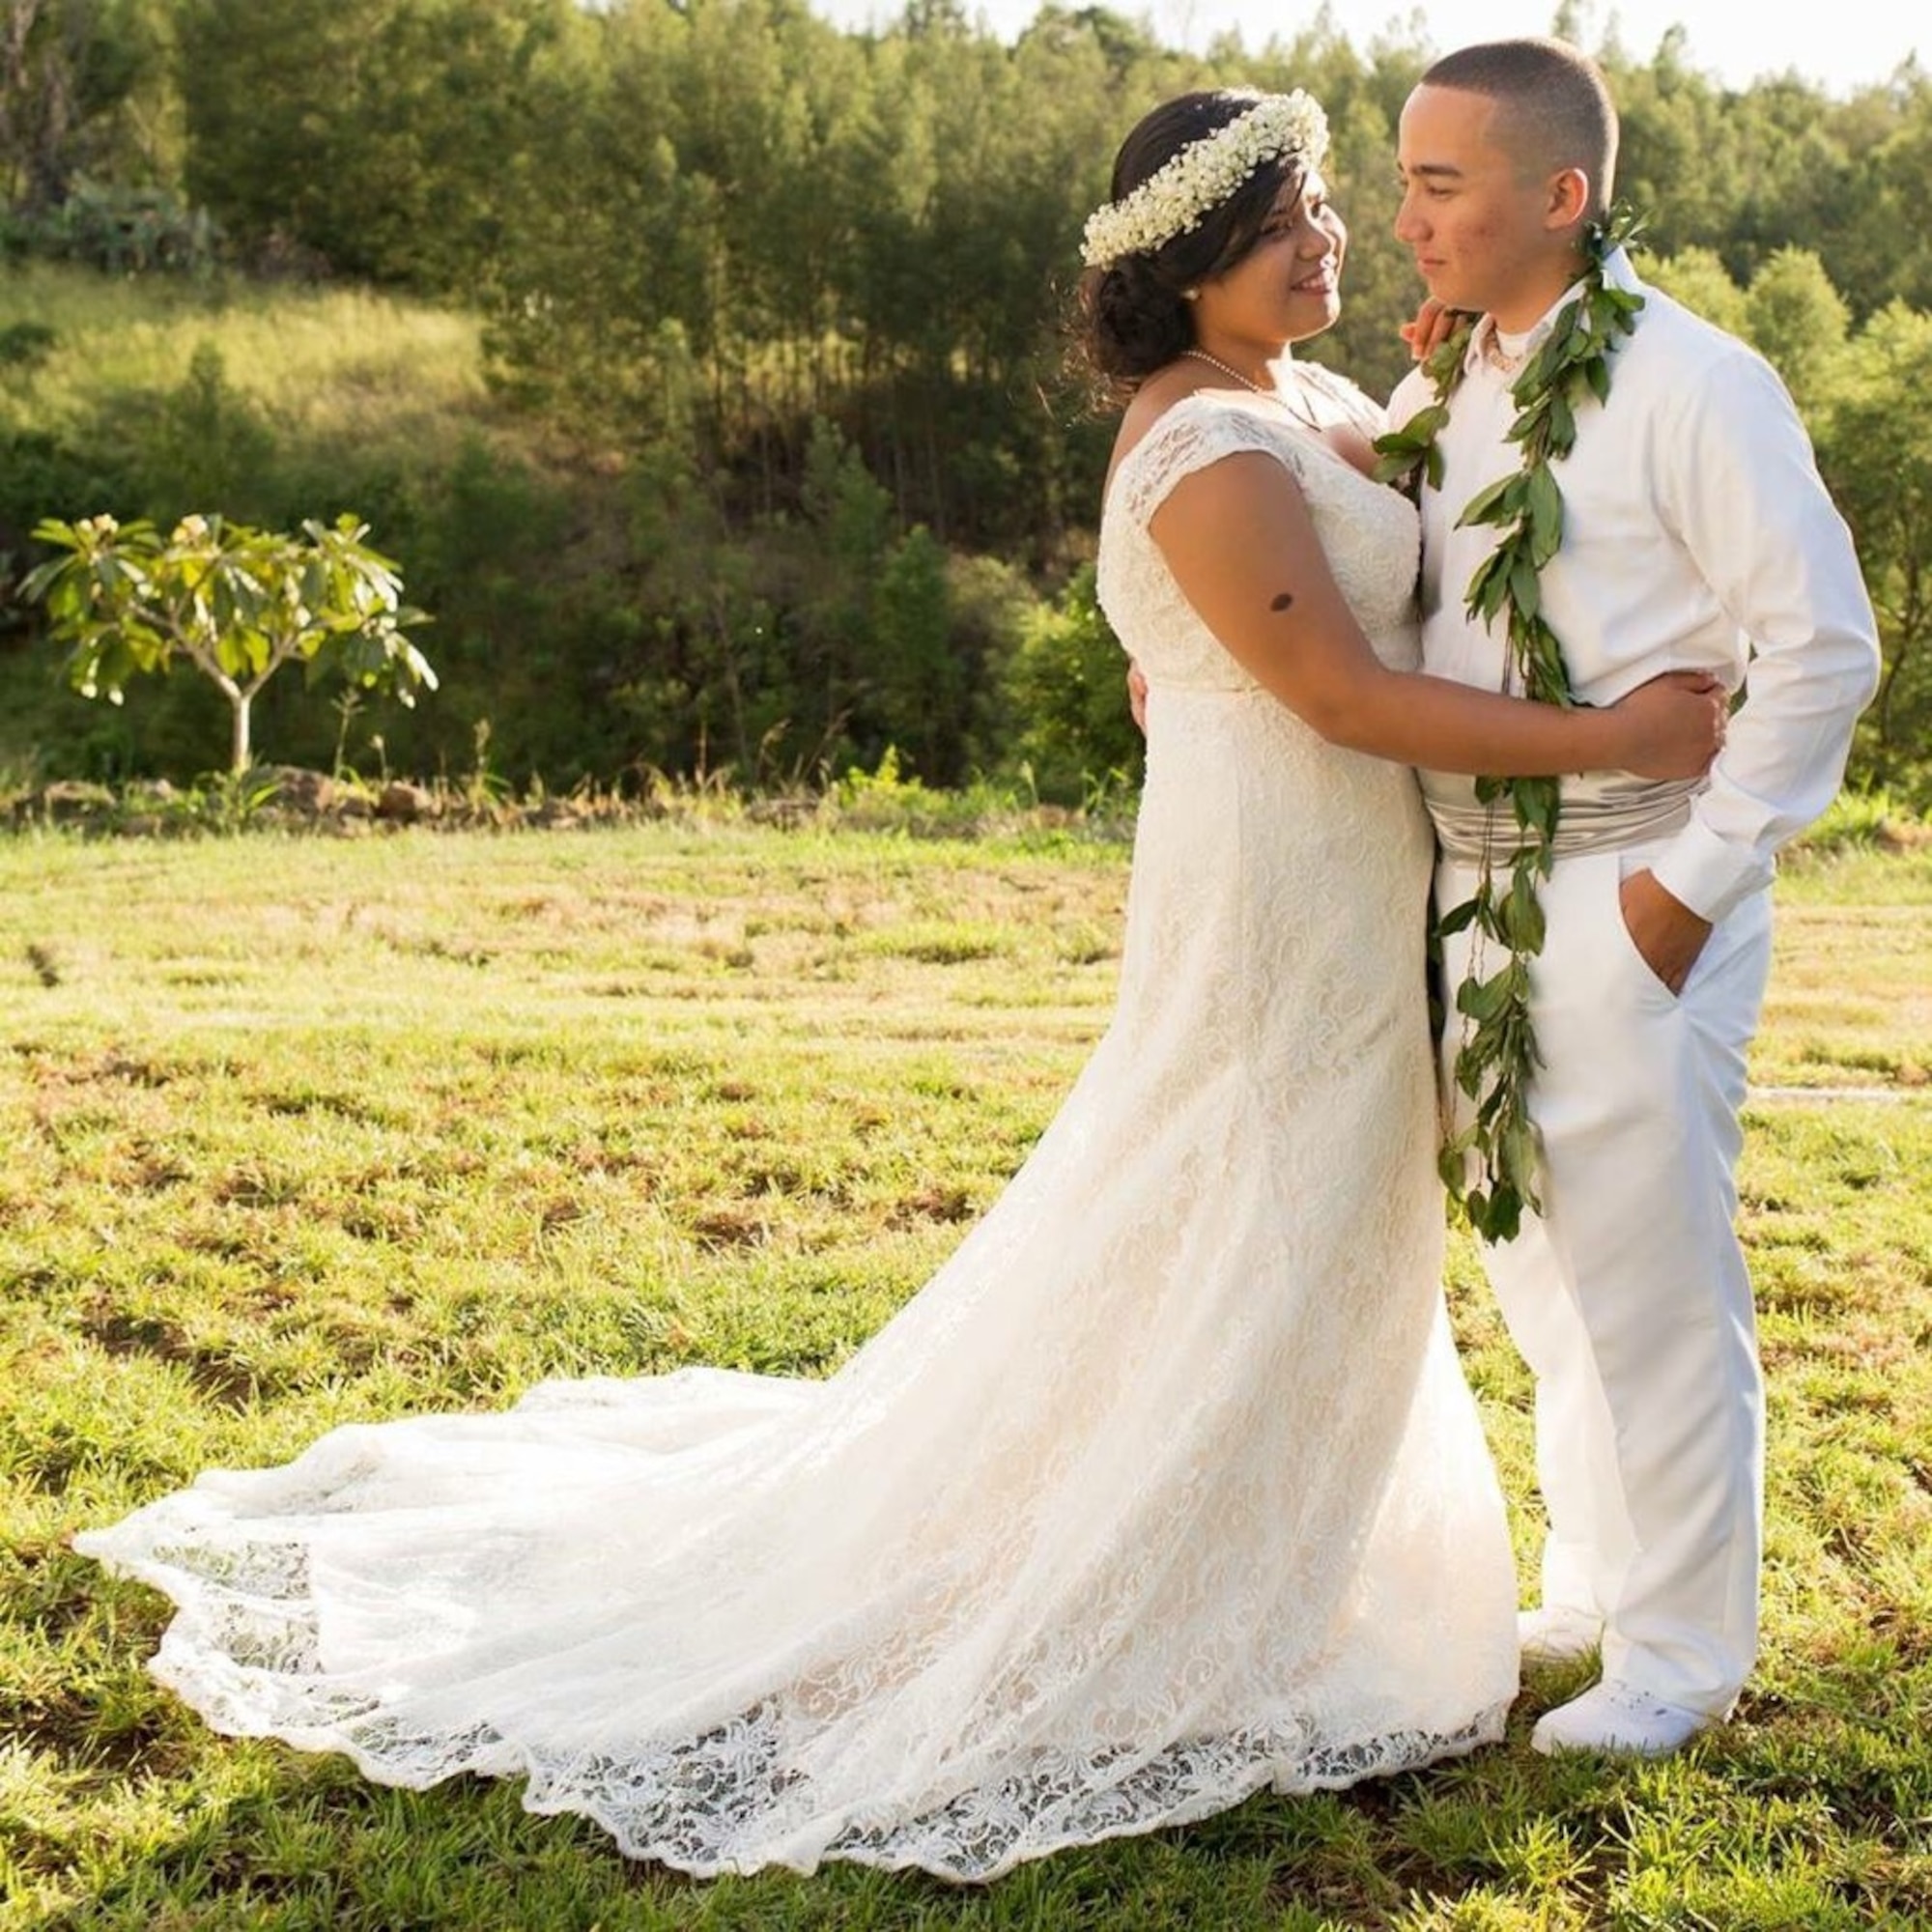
(1483, 347)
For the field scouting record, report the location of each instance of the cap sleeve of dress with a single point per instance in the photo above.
(1198, 431)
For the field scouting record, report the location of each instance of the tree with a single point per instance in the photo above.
(236, 603)
(1799, 322)
(83, 92)
(921, 681)
(1874, 455)
(850, 516)
(205, 441)
(374, 134)
(1698, 278)
(1068, 683)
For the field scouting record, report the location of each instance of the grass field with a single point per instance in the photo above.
(307, 1130)
(335, 362)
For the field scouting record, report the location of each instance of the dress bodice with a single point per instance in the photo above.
(1370, 535)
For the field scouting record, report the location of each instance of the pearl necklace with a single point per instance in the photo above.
(1215, 363)
(1291, 404)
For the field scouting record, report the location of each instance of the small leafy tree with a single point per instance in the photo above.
(919, 677)
(236, 603)
(1067, 683)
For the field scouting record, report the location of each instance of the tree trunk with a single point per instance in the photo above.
(241, 754)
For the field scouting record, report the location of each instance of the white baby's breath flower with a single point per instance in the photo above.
(1179, 196)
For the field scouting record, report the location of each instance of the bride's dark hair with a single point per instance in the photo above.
(1131, 317)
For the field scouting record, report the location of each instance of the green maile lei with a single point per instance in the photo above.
(1497, 1053)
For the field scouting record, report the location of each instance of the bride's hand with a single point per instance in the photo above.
(1433, 324)
(1675, 725)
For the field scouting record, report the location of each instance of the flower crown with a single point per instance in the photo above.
(1178, 195)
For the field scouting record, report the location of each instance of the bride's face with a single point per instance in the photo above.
(1288, 285)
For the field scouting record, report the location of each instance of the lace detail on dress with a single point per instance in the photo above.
(1370, 534)
(1165, 1489)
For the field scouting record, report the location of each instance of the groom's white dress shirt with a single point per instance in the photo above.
(1696, 536)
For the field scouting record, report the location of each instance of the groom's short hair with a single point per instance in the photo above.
(1558, 108)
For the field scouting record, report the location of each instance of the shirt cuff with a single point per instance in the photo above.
(1708, 874)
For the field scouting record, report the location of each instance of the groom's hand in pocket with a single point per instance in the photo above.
(1663, 929)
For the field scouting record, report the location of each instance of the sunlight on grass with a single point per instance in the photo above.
(303, 1131)
(341, 362)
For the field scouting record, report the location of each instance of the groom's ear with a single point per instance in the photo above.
(1568, 201)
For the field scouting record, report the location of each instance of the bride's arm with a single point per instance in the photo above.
(1238, 536)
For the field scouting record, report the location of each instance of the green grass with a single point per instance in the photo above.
(302, 1131)
(342, 366)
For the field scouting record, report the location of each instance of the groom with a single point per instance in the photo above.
(1697, 535)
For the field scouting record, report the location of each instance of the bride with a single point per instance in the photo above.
(1166, 1487)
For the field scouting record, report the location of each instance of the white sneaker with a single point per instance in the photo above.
(1556, 1635)
(1620, 1719)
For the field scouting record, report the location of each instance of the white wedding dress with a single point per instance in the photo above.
(1166, 1489)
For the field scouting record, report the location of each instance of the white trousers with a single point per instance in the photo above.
(1627, 1295)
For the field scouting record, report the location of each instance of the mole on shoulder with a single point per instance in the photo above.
(1282, 602)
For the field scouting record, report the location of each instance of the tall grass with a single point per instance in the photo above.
(341, 364)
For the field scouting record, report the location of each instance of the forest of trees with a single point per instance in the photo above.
(782, 306)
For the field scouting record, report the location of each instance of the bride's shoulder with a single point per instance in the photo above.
(1153, 407)
(1181, 430)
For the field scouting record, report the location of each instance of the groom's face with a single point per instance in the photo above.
(1473, 216)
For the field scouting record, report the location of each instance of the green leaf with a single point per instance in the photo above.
(1422, 428)
(1536, 375)
(1523, 919)
(1537, 802)
(1520, 1156)
(1484, 597)
(1501, 1216)
(1400, 451)
(1562, 425)
(1483, 999)
(1496, 504)
(1545, 502)
(1525, 586)
(1444, 364)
